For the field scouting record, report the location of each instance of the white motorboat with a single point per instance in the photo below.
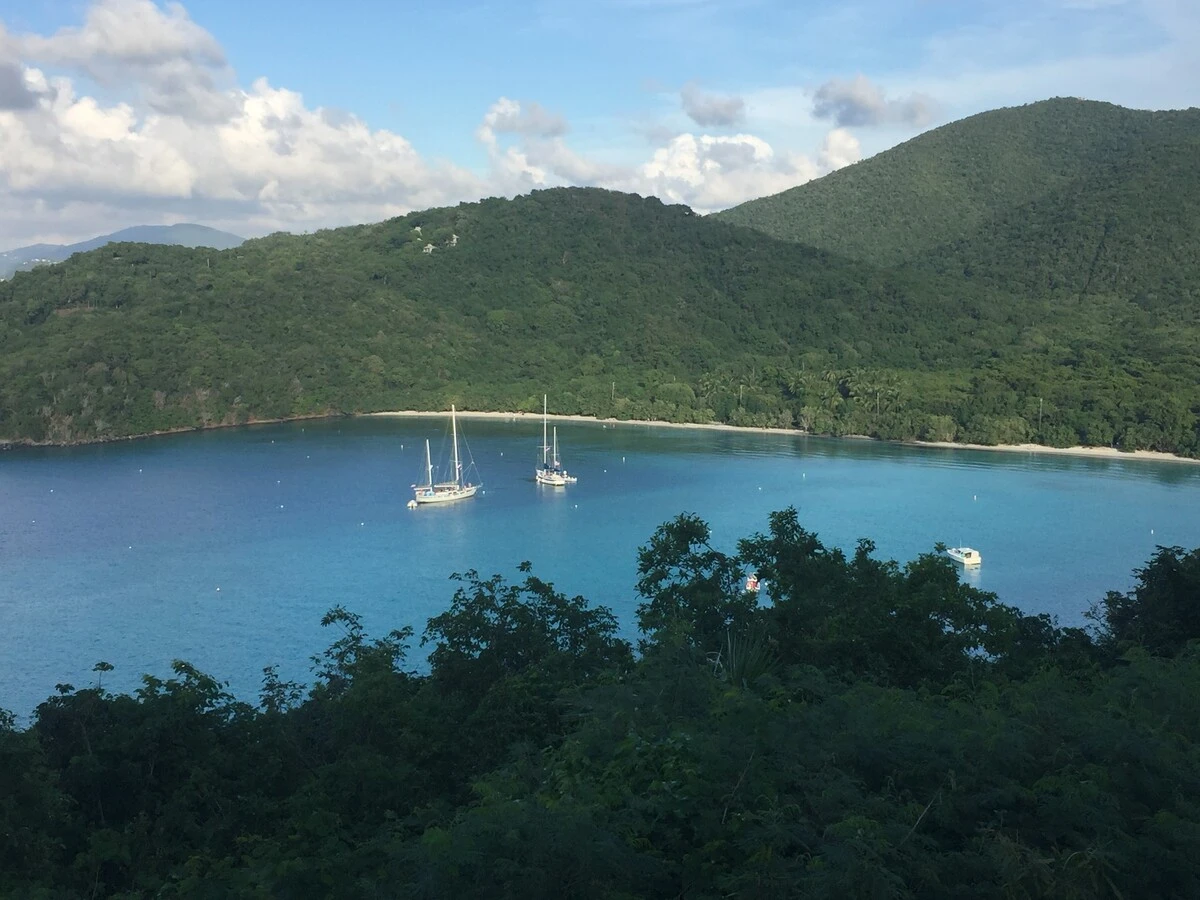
(964, 556)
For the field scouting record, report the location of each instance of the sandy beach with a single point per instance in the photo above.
(1093, 452)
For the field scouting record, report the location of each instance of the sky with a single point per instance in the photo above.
(257, 116)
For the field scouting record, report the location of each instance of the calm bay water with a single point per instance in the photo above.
(116, 552)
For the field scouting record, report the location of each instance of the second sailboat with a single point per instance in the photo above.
(550, 470)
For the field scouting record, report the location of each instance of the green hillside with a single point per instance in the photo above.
(945, 185)
(612, 304)
(1127, 229)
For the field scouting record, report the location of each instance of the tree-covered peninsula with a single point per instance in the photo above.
(862, 729)
(1056, 301)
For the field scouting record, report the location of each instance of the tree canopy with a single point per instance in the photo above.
(858, 728)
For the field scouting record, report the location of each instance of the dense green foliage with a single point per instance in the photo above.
(955, 180)
(865, 729)
(616, 305)
(1042, 286)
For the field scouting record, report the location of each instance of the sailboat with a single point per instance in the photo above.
(448, 491)
(550, 471)
(554, 461)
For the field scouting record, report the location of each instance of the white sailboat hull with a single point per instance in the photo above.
(441, 492)
(550, 478)
(444, 493)
(550, 471)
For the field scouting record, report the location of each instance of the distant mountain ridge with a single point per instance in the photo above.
(1022, 172)
(183, 235)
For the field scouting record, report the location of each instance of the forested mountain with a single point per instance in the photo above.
(486, 305)
(865, 729)
(959, 180)
(182, 234)
(1128, 229)
(1065, 314)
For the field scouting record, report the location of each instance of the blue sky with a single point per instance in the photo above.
(261, 114)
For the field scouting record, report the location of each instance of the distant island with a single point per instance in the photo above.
(1025, 276)
(183, 235)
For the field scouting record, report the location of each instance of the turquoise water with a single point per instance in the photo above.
(116, 552)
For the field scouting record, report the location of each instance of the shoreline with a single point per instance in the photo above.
(1078, 451)
(28, 444)
(1110, 453)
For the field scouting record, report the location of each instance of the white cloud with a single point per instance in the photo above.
(840, 148)
(706, 172)
(710, 173)
(14, 90)
(859, 101)
(128, 33)
(135, 116)
(186, 143)
(711, 110)
(273, 161)
(507, 116)
(177, 66)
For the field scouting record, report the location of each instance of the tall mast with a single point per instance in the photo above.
(454, 431)
(555, 457)
(428, 464)
(544, 445)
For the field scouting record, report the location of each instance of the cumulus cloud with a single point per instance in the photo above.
(173, 137)
(711, 110)
(858, 101)
(507, 116)
(14, 93)
(706, 172)
(179, 68)
(539, 157)
(134, 33)
(840, 148)
(713, 172)
(186, 142)
(274, 158)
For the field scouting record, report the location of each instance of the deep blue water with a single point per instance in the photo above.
(116, 552)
